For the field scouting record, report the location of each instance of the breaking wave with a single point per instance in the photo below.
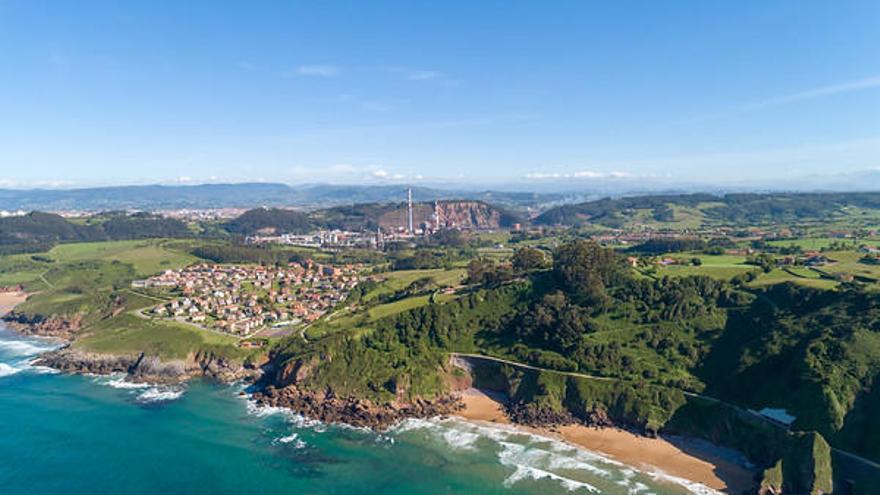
(160, 394)
(8, 370)
(533, 457)
(18, 354)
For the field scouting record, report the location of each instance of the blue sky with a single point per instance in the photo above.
(507, 91)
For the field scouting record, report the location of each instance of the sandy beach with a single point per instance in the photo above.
(9, 300)
(650, 454)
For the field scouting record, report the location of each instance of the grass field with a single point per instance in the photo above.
(362, 319)
(147, 257)
(779, 275)
(848, 262)
(716, 266)
(818, 243)
(401, 279)
(128, 333)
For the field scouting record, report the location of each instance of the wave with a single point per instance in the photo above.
(8, 370)
(528, 472)
(691, 486)
(147, 393)
(294, 419)
(292, 438)
(22, 348)
(118, 380)
(536, 457)
(160, 394)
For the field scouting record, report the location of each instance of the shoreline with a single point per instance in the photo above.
(699, 464)
(9, 300)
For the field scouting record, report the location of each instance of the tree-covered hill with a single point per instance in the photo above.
(270, 220)
(37, 231)
(702, 209)
(815, 354)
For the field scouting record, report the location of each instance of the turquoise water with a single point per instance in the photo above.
(86, 435)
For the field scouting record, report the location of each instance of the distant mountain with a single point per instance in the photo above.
(246, 195)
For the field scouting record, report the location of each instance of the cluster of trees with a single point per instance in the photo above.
(765, 261)
(38, 230)
(488, 273)
(609, 211)
(275, 219)
(239, 253)
(670, 245)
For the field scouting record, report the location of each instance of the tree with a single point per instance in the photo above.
(486, 272)
(585, 269)
(528, 259)
(554, 323)
(764, 260)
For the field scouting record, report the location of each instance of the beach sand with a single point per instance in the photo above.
(699, 464)
(9, 300)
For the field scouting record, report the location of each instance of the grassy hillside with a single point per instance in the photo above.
(89, 283)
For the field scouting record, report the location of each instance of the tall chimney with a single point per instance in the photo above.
(409, 212)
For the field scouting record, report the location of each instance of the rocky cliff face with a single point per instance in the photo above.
(326, 407)
(64, 328)
(144, 368)
(450, 214)
(289, 387)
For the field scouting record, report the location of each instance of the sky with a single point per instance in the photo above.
(577, 92)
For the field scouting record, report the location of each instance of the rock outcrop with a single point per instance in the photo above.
(146, 368)
(327, 408)
(58, 327)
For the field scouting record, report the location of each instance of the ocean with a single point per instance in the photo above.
(102, 435)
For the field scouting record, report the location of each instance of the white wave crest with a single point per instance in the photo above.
(294, 419)
(120, 382)
(691, 486)
(23, 348)
(292, 438)
(7, 370)
(528, 472)
(160, 394)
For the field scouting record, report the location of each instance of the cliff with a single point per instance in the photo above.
(145, 368)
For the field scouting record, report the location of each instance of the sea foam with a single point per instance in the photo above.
(160, 394)
(536, 457)
(8, 370)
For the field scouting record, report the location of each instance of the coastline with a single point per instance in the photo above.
(9, 300)
(695, 463)
(700, 464)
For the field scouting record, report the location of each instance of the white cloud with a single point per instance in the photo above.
(580, 174)
(317, 70)
(379, 174)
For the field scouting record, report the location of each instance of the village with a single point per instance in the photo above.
(244, 299)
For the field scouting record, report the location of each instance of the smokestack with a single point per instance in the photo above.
(409, 212)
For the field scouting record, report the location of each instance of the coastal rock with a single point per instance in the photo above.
(58, 327)
(150, 369)
(532, 415)
(329, 408)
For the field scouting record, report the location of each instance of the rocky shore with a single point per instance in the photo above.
(39, 326)
(327, 408)
(149, 369)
